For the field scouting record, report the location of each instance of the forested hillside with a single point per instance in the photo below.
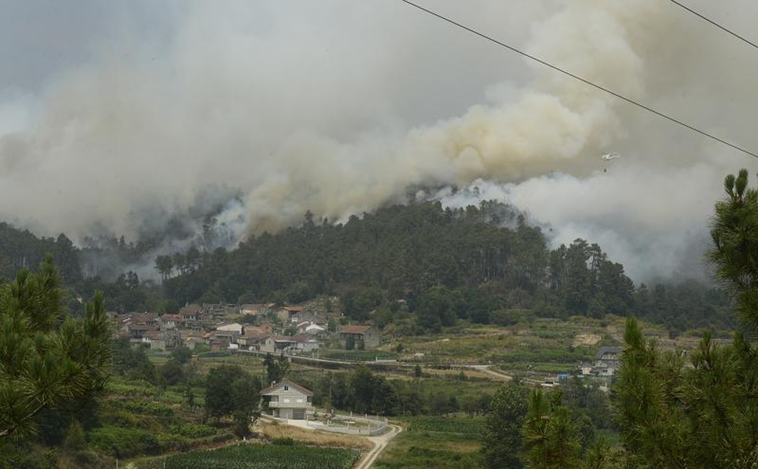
(22, 249)
(482, 264)
(447, 264)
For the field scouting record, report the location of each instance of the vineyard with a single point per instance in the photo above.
(265, 456)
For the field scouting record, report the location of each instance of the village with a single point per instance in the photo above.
(260, 328)
(304, 332)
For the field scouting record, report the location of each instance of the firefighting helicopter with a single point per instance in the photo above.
(609, 157)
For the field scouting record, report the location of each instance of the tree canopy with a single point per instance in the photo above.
(46, 358)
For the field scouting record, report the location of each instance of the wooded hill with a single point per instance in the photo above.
(447, 264)
(482, 264)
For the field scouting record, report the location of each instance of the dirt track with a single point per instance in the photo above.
(380, 442)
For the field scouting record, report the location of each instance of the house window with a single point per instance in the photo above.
(274, 398)
(286, 388)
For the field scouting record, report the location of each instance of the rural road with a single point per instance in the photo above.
(486, 369)
(380, 442)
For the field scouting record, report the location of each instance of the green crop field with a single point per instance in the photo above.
(464, 427)
(439, 442)
(356, 355)
(262, 456)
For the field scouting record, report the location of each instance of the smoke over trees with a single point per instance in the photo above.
(299, 114)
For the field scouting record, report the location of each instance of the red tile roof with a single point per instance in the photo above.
(354, 329)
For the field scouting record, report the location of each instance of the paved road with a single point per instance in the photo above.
(380, 442)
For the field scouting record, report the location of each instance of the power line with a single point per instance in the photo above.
(705, 18)
(583, 80)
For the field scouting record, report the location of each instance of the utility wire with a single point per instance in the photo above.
(583, 80)
(705, 18)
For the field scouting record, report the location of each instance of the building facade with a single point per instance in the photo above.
(288, 400)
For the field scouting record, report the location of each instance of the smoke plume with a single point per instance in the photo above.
(339, 107)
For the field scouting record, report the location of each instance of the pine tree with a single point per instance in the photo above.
(46, 359)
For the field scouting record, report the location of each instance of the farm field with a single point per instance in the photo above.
(254, 456)
(439, 442)
(357, 355)
(539, 346)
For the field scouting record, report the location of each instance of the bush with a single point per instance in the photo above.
(143, 406)
(124, 442)
(192, 431)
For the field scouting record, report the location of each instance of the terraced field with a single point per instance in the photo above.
(251, 456)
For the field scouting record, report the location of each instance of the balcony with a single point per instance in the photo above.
(290, 404)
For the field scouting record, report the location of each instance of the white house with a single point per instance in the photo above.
(288, 400)
(233, 327)
(305, 343)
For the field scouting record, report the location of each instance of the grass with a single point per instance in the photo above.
(357, 355)
(439, 442)
(275, 431)
(254, 456)
(468, 428)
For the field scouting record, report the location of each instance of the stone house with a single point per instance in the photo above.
(305, 343)
(607, 361)
(155, 340)
(171, 321)
(368, 334)
(286, 313)
(278, 344)
(252, 341)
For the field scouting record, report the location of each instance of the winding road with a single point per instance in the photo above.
(380, 442)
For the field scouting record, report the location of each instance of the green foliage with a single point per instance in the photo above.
(231, 391)
(501, 438)
(360, 391)
(472, 428)
(171, 372)
(121, 442)
(46, 359)
(356, 355)
(734, 230)
(132, 362)
(673, 416)
(550, 434)
(265, 456)
(359, 302)
(21, 250)
(181, 354)
(74, 440)
(276, 368)
(438, 442)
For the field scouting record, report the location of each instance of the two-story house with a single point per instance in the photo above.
(607, 361)
(369, 335)
(288, 400)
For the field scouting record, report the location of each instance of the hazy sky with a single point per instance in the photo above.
(115, 114)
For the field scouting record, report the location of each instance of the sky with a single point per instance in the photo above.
(116, 115)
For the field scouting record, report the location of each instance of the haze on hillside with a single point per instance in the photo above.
(115, 116)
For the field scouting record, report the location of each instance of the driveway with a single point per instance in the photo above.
(380, 442)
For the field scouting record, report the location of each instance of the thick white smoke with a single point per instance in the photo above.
(339, 107)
